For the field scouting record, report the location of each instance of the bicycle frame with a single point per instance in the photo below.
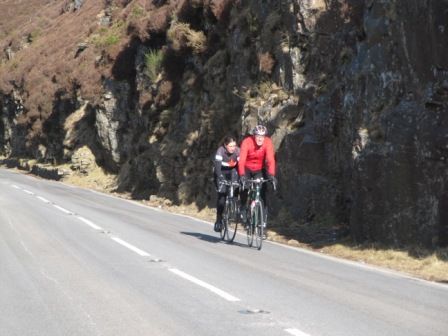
(256, 212)
(255, 190)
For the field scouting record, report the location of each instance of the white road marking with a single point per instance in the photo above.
(68, 212)
(201, 283)
(295, 332)
(89, 223)
(14, 186)
(131, 247)
(43, 199)
(28, 192)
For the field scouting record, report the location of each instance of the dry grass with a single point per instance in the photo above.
(182, 37)
(96, 179)
(429, 265)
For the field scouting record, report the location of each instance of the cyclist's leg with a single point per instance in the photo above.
(264, 191)
(244, 192)
(243, 197)
(234, 175)
(220, 203)
(234, 178)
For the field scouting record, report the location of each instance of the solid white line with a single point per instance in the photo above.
(28, 192)
(89, 223)
(43, 199)
(295, 332)
(131, 247)
(14, 186)
(63, 210)
(201, 283)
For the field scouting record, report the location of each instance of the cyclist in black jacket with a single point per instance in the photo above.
(226, 161)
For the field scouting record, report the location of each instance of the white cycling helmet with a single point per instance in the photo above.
(259, 130)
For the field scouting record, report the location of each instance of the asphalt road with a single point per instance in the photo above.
(77, 262)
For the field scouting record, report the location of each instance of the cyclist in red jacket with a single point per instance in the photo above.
(257, 160)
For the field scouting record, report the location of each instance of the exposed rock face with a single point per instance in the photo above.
(111, 123)
(355, 94)
(12, 137)
(385, 99)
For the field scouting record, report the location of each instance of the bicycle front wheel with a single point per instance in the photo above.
(250, 227)
(232, 220)
(258, 221)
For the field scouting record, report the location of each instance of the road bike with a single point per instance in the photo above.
(256, 213)
(230, 216)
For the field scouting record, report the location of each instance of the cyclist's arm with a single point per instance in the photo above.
(218, 162)
(270, 157)
(242, 161)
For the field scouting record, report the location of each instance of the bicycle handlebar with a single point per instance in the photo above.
(262, 180)
(230, 183)
(258, 180)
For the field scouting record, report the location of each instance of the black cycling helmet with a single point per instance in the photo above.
(260, 130)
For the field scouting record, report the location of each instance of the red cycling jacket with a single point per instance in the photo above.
(253, 157)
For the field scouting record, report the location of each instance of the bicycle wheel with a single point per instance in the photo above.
(258, 216)
(225, 221)
(232, 220)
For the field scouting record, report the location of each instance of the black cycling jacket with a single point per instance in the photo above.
(224, 162)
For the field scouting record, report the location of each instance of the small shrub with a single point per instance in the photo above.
(264, 89)
(107, 37)
(183, 37)
(266, 62)
(32, 37)
(164, 94)
(159, 20)
(252, 23)
(153, 63)
(111, 40)
(137, 12)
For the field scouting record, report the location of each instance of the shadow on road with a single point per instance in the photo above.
(205, 237)
(211, 239)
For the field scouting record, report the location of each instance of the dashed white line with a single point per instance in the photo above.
(296, 332)
(131, 247)
(89, 223)
(201, 283)
(68, 212)
(43, 199)
(217, 291)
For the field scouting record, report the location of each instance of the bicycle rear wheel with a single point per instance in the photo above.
(258, 227)
(232, 220)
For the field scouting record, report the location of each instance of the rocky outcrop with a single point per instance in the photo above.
(354, 93)
(380, 123)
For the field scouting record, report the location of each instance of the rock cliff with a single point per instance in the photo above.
(354, 93)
